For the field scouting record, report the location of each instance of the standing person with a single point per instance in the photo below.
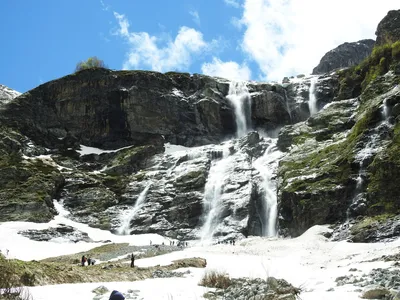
(132, 261)
(83, 260)
(89, 260)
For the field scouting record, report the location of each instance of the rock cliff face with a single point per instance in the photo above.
(112, 109)
(318, 149)
(139, 111)
(344, 56)
(388, 30)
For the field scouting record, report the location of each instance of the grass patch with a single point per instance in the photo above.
(215, 279)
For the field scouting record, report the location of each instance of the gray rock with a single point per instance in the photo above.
(388, 30)
(61, 231)
(345, 55)
(375, 292)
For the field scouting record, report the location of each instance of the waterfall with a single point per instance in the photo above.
(287, 105)
(213, 205)
(126, 220)
(385, 110)
(239, 96)
(312, 100)
(266, 165)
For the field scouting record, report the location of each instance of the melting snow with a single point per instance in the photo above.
(91, 150)
(309, 261)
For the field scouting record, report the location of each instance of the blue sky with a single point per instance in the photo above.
(241, 39)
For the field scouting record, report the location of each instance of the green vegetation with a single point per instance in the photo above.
(90, 63)
(355, 79)
(383, 188)
(12, 281)
(18, 273)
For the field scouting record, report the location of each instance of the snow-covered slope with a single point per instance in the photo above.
(7, 94)
(309, 261)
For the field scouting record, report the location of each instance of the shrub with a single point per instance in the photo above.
(396, 50)
(90, 63)
(214, 279)
(11, 284)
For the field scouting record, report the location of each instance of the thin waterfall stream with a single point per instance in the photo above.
(212, 196)
(126, 219)
(266, 165)
(312, 102)
(239, 96)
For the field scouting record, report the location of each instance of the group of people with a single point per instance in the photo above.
(178, 243)
(230, 242)
(85, 260)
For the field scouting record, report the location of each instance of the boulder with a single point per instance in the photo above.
(375, 292)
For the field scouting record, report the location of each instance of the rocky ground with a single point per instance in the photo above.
(245, 288)
(378, 284)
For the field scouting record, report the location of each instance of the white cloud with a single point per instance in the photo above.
(290, 37)
(230, 70)
(145, 50)
(104, 6)
(234, 3)
(196, 17)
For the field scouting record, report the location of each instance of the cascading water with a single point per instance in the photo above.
(126, 220)
(287, 105)
(385, 110)
(239, 96)
(312, 102)
(212, 196)
(266, 165)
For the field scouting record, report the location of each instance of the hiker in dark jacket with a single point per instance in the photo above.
(132, 261)
(115, 295)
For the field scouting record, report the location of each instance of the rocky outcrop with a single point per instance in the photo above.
(61, 231)
(388, 30)
(27, 184)
(343, 56)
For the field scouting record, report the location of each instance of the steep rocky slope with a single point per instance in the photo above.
(314, 150)
(344, 56)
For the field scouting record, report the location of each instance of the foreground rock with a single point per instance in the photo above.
(244, 288)
(378, 281)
